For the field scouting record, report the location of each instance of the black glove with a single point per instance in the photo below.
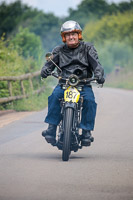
(45, 73)
(101, 80)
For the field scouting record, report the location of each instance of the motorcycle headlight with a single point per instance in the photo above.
(73, 80)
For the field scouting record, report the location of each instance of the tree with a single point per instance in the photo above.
(10, 16)
(90, 11)
(125, 6)
(16, 14)
(47, 26)
(115, 53)
(113, 37)
(116, 27)
(27, 44)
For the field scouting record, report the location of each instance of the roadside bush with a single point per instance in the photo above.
(113, 54)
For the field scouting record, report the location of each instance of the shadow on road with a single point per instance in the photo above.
(58, 157)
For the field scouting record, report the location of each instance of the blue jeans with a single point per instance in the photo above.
(88, 111)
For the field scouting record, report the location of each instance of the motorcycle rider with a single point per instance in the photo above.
(74, 56)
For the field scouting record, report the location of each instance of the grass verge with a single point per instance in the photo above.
(33, 102)
(123, 79)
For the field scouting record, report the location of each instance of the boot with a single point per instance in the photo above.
(86, 138)
(50, 134)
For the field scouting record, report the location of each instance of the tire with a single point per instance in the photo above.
(68, 120)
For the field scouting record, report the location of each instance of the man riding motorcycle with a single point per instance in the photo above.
(73, 57)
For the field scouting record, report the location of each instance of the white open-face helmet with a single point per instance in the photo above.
(70, 26)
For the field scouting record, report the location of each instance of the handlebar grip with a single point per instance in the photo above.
(88, 80)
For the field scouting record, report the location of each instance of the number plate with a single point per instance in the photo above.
(71, 94)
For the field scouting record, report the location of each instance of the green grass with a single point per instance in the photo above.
(32, 103)
(123, 79)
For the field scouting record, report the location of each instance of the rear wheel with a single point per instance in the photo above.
(68, 120)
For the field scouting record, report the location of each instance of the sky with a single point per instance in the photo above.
(58, 7)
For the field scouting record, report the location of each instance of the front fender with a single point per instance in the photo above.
(70, 105)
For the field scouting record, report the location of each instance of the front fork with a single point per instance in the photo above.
(77, 107)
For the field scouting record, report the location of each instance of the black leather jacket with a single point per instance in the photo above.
(82, 61)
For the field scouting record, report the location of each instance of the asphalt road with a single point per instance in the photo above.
(31, 169)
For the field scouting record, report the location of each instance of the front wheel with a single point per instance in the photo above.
(68, 121)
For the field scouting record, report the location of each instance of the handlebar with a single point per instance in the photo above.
(82, 81)
(87, 80)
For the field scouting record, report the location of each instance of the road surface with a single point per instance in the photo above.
(31, 169)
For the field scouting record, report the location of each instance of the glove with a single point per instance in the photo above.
(101, 80)
(45, 73)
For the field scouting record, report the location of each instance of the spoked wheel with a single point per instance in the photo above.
(68, 117)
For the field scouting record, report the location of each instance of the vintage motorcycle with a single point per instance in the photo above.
(68, 137)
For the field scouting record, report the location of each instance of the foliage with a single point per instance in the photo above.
(122, 79)
(113, 37)
(34, 102)
(116, 27)
(27, 44)
(16, 14)
(90, 11)
(11, 63)
(11, 16)
(47, 26)
(115, 53)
